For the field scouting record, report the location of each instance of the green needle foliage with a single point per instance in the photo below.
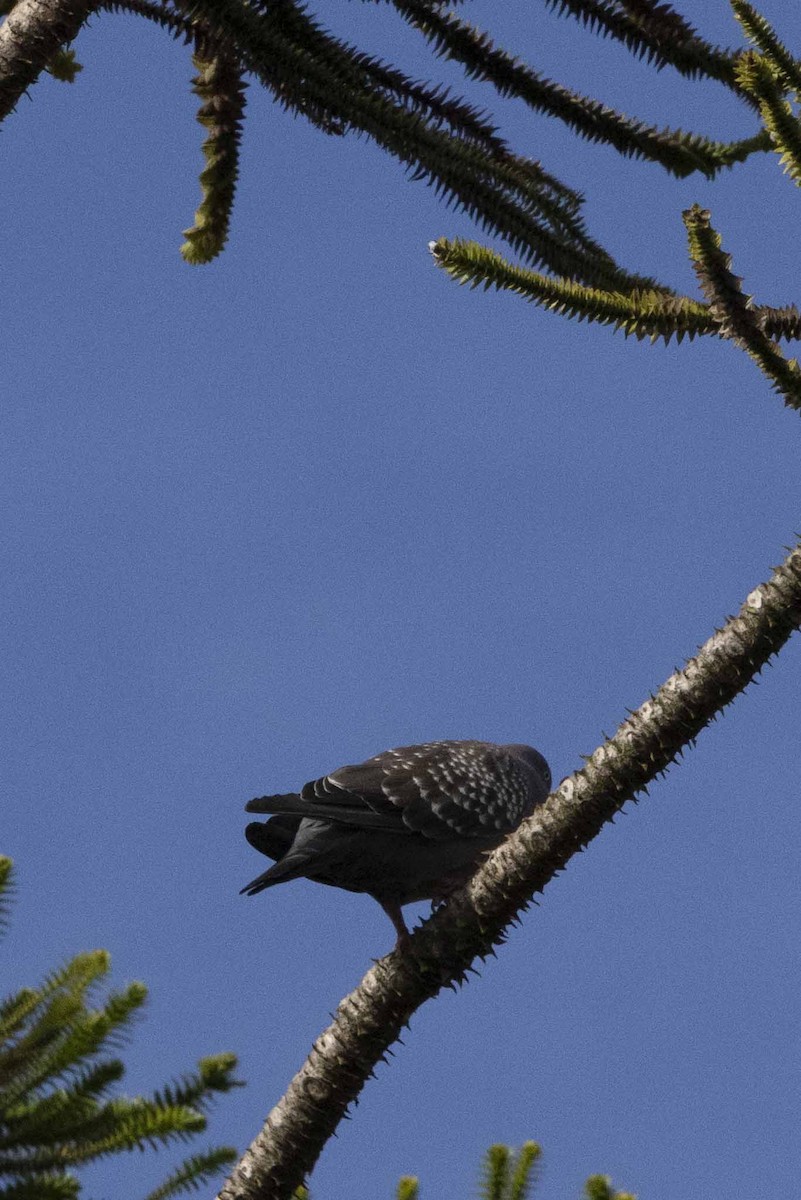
(220, 86)
(509, 1176)
(759, 31)
(440, 138)
(656, 32)
(679, 153)
(768, 85)
(767, 76)
(64, 66)
(56, 1076)
(644, 314)
(599, 1187)
(651, 314)
(733, 310)
(408, 1188)
(506, 1174)
(6, 890)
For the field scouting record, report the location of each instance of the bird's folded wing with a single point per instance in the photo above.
(443, 790)
(344, 808)
(440, 789)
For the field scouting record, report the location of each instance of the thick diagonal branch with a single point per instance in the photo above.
(29, 37)
(370, 1019)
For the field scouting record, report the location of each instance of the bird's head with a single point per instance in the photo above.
(534, 761)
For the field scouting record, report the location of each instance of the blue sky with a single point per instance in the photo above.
(273, 515)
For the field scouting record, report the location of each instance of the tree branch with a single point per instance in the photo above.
(442, 950)
(733, 310)
(655, 32)
(642, 314)
(679, 152)
(29, 37)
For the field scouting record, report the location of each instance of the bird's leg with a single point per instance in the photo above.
(395, 914)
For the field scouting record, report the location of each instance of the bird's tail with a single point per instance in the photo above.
(291, 867)
(289, 803)
(272, 838)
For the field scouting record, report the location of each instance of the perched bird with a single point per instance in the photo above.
(410, 824)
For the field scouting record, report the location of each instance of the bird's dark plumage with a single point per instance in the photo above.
(409, 824)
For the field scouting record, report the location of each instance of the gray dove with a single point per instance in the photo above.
(409, 824)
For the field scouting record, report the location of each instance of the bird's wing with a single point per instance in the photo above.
(323, 800)
(440, 789)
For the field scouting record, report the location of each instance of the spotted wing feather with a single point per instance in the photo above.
(440, 789)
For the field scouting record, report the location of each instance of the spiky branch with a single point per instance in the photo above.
(766, 82)
(642, 314)
(733, 311)
(440, 138)
(759, 31)
(657, 33)
(220, 86)
(678, 152)
(443, 949)
(31, 35)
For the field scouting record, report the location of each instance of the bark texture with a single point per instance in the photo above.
(442, 950)
(29, 37)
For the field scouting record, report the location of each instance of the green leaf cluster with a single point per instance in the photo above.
(733, 311)
(506, 1174)
(457, 149)
(679, 153)
(57, 1075)
(768, 78)
(509, 1176)
(220, 85)
(439, 137)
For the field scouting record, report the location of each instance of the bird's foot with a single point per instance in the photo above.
(395, 915)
